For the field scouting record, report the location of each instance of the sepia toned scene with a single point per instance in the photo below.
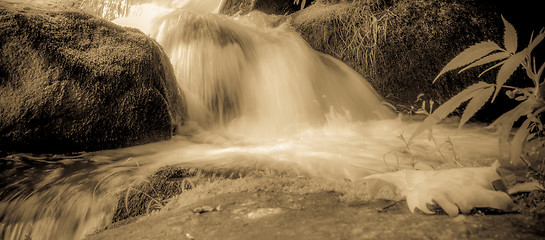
(272, 119)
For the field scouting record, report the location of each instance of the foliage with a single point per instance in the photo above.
(532, 102)
(300, 2)
(452, 190)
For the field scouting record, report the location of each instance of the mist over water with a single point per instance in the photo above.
(258, 97)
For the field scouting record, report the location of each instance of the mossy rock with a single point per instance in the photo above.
(70, 82)
(400, 46)
(114, 9)
(276, 7)
(153, 193)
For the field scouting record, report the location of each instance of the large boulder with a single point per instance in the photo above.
(70, 81)
(113, 9)
(277, 7)
(401, 45)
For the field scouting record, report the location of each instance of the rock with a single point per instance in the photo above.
(400, 46)
(70, 81)
(277, 7)
(119, 8)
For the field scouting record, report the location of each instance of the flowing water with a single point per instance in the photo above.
(258, 97)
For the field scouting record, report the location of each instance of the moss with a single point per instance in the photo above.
(175, 186)
(277, 7)
(233, 7)
(399, 46)
(153, 193)
(73, 82)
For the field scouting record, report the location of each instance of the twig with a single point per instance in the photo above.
(539, 174)
(454, 151)
(143, 193)
(438, 148)
(408, 150)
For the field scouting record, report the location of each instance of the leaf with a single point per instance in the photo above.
(454, 190)
(510, 94)
(518, 143)
(383, 189)
(488, 59)
(536, 41)
(490, 68)
(526, 187)
(521, 98)
(507, 69)
(446, 108)
(509, 36)
(469, 55)
(476, 103)
(505, 122)
(539, 73)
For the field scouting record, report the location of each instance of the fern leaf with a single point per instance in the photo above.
(488, 59)
(476, 103)
(509, 37)
(449, 106)
(507, 69)
(518, 142)
(469, 55)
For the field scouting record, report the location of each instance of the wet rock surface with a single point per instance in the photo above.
(70, 81)
(285, 210)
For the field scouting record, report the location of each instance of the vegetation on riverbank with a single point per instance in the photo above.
(368, 26)
(226, 201)
(399, 46)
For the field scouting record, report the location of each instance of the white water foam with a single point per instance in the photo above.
(259, 98)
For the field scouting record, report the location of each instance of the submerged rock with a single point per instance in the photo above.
(72, 82)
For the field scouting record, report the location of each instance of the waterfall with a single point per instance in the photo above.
(258, 97)
(241, 74)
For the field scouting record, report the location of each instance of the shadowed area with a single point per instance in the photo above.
(276, 140)
(72, 82)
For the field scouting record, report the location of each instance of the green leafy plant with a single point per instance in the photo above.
(532, 101)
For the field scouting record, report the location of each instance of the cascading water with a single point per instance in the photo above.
(258, 97)
(257, 80)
